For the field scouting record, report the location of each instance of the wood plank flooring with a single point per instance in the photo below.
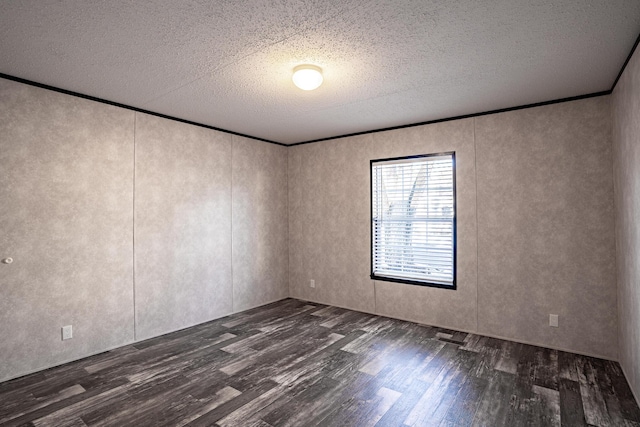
(294, 363)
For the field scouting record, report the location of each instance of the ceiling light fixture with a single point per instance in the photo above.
(307, 77)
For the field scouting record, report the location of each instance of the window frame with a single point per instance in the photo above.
(454, 285)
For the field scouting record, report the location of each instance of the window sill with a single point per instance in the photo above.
(452, 287)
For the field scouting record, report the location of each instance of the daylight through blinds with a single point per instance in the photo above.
(413, 219)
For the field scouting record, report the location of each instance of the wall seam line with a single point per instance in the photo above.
(475, 172)
(133, 221)
(304, 290)
(288, 232)
(612, 120)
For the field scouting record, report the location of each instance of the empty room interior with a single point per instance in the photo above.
(333, 213)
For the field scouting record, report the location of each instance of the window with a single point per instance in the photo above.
(413, 220)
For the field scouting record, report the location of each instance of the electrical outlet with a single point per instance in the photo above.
(312, 283)
(67, 332)
(553, 320)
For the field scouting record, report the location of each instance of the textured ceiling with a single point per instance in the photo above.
(386, 63)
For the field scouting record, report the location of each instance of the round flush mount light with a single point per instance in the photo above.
(307, 77)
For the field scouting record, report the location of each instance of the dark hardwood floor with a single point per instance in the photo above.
(294, 363)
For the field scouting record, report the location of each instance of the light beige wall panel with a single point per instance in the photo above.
(260, 228)
(66, 218)
(330, 225)
(626, 144)
(183, 225)
(335, 223)
(297, 279)
(546, 229)
(443, 307)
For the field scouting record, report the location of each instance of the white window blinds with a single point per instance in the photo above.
(413, 219)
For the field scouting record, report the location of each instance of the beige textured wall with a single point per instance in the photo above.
(545, 226)
(260, 243)
(626, 149)
(219, 217)
(67, 218)
(330, 225)
(542, 226)
(329, 222)
(182, 225)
